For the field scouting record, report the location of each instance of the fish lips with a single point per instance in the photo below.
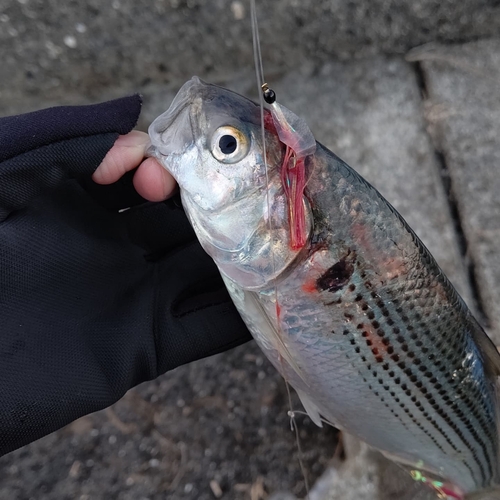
(172, 132)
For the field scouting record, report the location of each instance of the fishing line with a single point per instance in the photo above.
(262, 89)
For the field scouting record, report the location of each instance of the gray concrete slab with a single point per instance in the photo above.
(52, 49)
(463, 112)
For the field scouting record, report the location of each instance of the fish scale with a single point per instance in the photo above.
(435, 426)
(360, 320)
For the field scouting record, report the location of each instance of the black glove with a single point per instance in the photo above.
(92, 301)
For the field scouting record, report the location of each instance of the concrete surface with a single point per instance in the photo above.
(423, 131)
(463, 111)
(71, 50)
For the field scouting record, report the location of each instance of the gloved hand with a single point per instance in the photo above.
(92, 301)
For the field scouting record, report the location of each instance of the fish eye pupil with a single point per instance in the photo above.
(228, 144)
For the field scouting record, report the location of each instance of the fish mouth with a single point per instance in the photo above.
(172, 132)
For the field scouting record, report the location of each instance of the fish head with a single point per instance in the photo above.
(207, 141)
(210, 140)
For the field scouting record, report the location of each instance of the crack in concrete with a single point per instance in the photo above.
(447, 185)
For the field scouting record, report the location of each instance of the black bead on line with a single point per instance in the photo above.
(269, 94)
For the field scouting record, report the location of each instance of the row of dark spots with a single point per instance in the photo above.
(386, 388)
(418, 384)
(437, 361)
(395, 357)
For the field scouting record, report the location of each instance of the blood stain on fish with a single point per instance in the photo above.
(336, 277)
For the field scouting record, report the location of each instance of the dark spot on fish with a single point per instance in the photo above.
(360, 326)
(375, 324)
(346, 332)
(352, 287)
(364, 307)
(371, 315)
(358, 298)
(336, 277)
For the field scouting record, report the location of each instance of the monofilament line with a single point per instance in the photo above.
(259, 72)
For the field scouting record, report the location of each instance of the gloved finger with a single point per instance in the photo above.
(195, 316)
(66, 142)
(158, 228)
(22, 133)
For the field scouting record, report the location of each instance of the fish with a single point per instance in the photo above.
(357, 316)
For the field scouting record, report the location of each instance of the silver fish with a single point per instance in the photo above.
(360, 320)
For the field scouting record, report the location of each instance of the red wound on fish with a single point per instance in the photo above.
(269, 122)
(293, 178)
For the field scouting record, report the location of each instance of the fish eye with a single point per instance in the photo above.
(229, 145)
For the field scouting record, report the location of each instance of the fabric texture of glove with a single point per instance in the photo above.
(92, 300)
